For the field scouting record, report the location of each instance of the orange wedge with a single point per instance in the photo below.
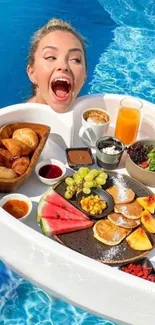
(138, 240)
(148, 221)
(147, 202)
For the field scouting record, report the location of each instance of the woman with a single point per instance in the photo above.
(56, 65)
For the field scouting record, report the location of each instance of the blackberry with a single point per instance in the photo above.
(138, 153)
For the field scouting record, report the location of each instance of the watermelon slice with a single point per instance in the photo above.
(55, 199)
(51, 227)
(48, 210)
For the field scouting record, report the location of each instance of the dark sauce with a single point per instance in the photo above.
(50, 171)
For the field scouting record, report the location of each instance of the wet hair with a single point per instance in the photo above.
(51, 26)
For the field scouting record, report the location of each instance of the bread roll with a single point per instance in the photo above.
(7, 173)
(20, 165)
(16, 147)
(27, 136)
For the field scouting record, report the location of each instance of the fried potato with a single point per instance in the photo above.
(138, 240)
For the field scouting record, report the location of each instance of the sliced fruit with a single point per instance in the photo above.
(131, 210)
(121, 194)
(138, 240)
(51, 227)
(147, 202)
(119, 220)
(56, 199)
(148, 221)
(108, 233)
(48, 210)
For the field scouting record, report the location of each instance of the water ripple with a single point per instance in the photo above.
(23, 304)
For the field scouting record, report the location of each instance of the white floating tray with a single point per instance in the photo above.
(60, 271)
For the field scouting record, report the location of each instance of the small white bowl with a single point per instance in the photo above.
(17, 196)
(50, 181)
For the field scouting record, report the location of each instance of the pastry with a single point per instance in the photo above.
(20, 165)
(121, 194)
(27, 136)
(7, 173)
(6, 158)
(131, 210)
(16, 147)
(119, 220)
(108, 233)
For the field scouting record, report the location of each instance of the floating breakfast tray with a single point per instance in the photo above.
(54, 267)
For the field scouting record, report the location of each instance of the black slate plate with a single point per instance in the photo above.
(83, 241)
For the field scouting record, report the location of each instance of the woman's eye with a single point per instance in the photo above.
(50, 57)
(77, 60)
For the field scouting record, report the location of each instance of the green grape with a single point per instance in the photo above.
(78, 181)
(83, 171)
(88, 184)
(69, 181)
(76, 177)
(95, 172)
(94, 183)
(89, 177)
(100, 180)
(68, 195)
(102, 174)
(86, 190)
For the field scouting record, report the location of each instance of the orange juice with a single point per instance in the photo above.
(127, 124)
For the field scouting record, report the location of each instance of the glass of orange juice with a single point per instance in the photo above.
(128, 120)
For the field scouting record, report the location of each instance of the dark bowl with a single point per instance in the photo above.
(104, 196)
(144, 262)
(106, 160)
(83, 158)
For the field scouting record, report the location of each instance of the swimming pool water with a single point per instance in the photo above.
(23, 304)
(121, 37)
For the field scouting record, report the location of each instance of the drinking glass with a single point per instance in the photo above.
(128, 120)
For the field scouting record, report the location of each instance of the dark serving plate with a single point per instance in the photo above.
(84, 242)
(144, 262)
(104, 196)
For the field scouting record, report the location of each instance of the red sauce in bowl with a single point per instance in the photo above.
(50, 171)
(17, 208)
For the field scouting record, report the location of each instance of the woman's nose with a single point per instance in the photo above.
(63, 66)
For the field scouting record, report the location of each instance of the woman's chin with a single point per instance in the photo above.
(61, 106)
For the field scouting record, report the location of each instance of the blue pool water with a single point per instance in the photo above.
(121, 37)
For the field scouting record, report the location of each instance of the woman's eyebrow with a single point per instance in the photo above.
(75, 49)
(50, 47)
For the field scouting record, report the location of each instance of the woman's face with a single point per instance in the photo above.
(59, 70)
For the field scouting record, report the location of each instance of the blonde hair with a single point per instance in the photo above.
(53, 25)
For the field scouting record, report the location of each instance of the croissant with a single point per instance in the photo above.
(27, 136)
(16, 147)
(6, 158)
(20, 165)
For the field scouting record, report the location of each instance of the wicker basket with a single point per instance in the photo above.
(11, 185)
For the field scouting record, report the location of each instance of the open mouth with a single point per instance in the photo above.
(61, 87)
